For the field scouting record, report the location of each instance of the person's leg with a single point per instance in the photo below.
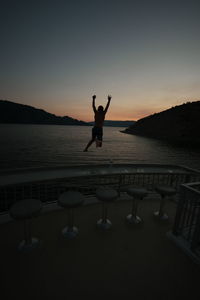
(88, 145)
(92, 140)
(100, 137)
(98, 143)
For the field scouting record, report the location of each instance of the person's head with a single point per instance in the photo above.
(100, 108)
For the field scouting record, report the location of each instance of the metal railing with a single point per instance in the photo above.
(49, 190)
(187, 220)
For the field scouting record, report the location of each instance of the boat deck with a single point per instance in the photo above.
(129, 260)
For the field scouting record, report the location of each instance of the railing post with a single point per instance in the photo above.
(187, 178)
(119, 185)
(196, 235)
(180, 208)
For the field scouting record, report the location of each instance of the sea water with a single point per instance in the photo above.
(33, 146)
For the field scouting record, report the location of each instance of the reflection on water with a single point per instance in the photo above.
(25, 146)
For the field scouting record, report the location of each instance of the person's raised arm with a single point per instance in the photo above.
(108, 103)
(93, 103)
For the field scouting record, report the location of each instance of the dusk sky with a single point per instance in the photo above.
(56, 54)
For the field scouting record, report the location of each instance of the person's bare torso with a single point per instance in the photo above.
(99, 117)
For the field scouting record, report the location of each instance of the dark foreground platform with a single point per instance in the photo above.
(128, 261)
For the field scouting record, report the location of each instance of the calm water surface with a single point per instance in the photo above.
(27, 146)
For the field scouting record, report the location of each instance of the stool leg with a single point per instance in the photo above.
(104, 212)
(70, 218)
(29, 242)
(160, 214)
(104, 223)
(133, 218)
(134, 207)
(70, 231)
(162, 204)
(27, 232)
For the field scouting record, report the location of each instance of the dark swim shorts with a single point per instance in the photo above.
(97, 133)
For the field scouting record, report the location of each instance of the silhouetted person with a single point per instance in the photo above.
(99, 116)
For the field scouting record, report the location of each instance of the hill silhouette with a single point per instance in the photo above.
(11, 112)
(113, 123)
(178, 124)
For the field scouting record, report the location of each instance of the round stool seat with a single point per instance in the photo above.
(106, 195)
(137, 192)
(70, 199)
(25, 209)
(165, 190)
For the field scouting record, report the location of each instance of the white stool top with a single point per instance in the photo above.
(137, 192)
(71, 199)
(165, 190)
(25, 209)
(106, 194)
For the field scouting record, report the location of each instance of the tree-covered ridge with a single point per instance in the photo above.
(180, 123)
(11, 112)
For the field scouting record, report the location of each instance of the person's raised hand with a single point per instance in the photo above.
(94, 97)
(109, 97)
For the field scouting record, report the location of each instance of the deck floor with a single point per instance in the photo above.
(135, 261)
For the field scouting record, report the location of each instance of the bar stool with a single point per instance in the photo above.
(105, 195)
(137, 194)
(164, 192)
(70, 200)
(26, 210)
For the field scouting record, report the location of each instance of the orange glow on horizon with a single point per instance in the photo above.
(115, 112)
(111, 117)
(127, 115)
(117, 115)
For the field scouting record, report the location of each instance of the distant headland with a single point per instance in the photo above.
(179, 124)
(113, 123)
